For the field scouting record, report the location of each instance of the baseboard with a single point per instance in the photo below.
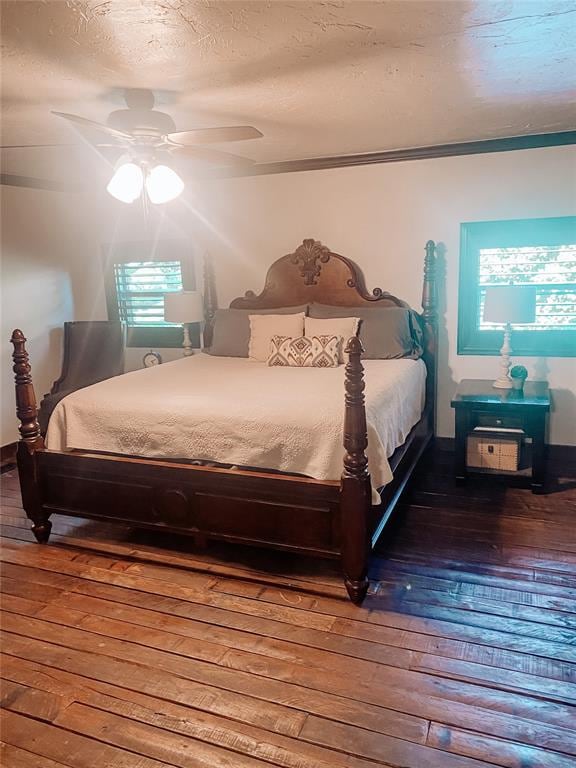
(562, 454)
(444, 444)
(8, 455)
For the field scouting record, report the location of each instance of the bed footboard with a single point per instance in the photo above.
(330, 519)
(261, 508)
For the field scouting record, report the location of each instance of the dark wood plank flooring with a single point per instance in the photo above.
(126, 649)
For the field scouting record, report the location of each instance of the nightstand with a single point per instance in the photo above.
(478, 404)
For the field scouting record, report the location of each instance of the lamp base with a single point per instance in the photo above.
(503, 382)
(187, 344)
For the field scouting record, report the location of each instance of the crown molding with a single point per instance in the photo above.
(32, 182)
(486, 146)
(508, 144)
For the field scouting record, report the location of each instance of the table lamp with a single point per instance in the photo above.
(184, 307)
(511, 305)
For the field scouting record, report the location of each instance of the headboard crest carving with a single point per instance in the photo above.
(311, 253)
(314, 273)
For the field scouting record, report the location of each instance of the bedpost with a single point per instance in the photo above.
(430, 315)
(356, 489)
(210, 300)
(32, 441)
(26, 409)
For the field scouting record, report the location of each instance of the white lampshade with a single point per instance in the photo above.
(183, 307)
(126, 184)
(514, 304)
(163, 184)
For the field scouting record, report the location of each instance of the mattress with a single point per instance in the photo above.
(236, 411)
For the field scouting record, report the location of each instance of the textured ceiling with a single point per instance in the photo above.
(318, 78)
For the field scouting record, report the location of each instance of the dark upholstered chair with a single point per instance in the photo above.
(93, 351)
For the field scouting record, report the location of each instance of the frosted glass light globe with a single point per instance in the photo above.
(163, 184)
(127, 182)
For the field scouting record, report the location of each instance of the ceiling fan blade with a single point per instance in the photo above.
(85, 123)
(214, 135)
(214, 156)
(35, 146)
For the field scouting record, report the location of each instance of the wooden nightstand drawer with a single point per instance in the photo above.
(506, 421)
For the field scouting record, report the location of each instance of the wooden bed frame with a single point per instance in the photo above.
(266, 508)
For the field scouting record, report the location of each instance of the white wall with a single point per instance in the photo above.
(381, 216)
(36, 290)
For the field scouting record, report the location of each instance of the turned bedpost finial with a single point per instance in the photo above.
(355, 431)
(210, 300)
(26, 409)
(429, 287)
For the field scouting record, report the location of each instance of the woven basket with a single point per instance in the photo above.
(494, 451)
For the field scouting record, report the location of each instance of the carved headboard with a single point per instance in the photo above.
(314, 273)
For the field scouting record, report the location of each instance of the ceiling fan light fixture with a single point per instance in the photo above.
(163, 184)
(127, 183)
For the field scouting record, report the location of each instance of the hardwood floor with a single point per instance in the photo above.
(128, 649)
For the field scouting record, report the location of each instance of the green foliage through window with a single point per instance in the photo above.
(536, 252)
(137, 275)
(140, 289)
(551, 269)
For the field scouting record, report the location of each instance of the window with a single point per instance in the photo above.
(137, 277)
(538, 252)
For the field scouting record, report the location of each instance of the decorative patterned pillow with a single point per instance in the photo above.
(305, 352)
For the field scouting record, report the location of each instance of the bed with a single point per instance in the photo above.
(321, 478)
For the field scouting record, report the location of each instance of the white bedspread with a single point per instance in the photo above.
(237, 411)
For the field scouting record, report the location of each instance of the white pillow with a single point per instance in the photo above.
(263, 327)
(333, 326)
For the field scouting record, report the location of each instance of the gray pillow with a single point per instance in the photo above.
(232, 329)
(385, 332)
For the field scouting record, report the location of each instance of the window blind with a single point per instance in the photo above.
(140, 289)
(551, 269)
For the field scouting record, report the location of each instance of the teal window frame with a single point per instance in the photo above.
(157, 336)
(478, 235)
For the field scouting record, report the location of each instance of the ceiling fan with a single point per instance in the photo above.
(142, 128)
(147, 138)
